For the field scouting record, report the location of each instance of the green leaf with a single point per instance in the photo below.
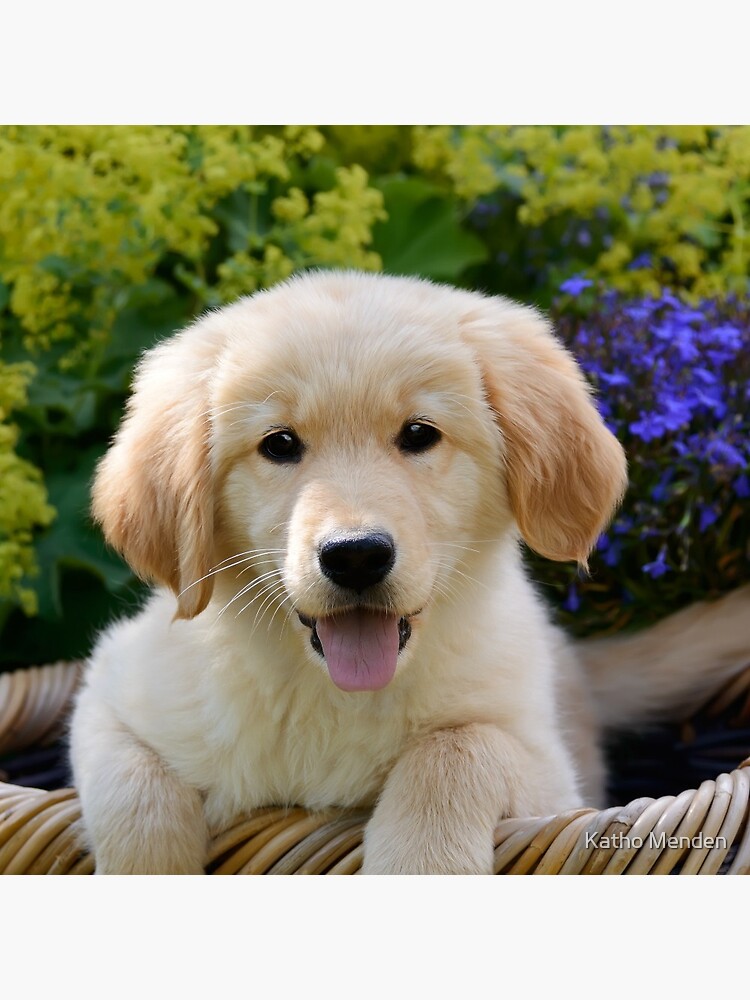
(72, 541)
(423, 235)
(318, 174)
(707, 234)
(245, 215)
(151, 312)
(64, 268)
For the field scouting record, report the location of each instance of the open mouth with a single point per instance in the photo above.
(360, 646)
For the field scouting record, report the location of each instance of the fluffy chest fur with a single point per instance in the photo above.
(253, 721)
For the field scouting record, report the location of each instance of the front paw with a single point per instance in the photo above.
(388, 852)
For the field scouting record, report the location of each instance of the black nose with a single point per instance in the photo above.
(358, 563)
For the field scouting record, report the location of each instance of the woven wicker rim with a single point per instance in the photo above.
(709, 826)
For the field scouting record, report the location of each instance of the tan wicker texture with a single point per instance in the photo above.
(33, 704)
(704, 831)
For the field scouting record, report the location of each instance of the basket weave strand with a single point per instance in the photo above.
(33, 704)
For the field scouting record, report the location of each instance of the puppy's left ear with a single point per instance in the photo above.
(566, 472)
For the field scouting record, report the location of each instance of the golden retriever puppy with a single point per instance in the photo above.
(330, 480)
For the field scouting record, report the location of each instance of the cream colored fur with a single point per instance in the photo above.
(208, 704)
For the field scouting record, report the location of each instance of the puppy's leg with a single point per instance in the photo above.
(139, 818)
(446, 794)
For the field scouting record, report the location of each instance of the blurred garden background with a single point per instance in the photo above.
(636, 239)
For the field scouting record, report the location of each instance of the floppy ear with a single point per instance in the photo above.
(566, 472)
(153, 490)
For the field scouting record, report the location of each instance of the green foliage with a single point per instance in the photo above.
(64, 427)
(23, 500)
(643, 207)
(86, 213)
(423, 235)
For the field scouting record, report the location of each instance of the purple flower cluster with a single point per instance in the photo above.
(672, 382)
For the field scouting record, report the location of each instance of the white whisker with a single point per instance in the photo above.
(270, 595)
(248, 552)
(240, 558)
(248, 587)
(294, 607)
(455, 545)
(220, 411)
(466, 576)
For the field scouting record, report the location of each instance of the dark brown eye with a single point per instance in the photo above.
(281, 446)
(416, 437)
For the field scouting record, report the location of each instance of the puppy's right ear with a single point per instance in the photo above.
(153, 491)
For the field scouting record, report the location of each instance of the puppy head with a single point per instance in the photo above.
(359, 459)
(338, 445)
(349, 366)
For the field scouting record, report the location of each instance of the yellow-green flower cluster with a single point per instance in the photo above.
(23, 498)
(678, 194)
(333, 230)
(86, 212)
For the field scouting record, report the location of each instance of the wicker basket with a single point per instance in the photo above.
(704, 831)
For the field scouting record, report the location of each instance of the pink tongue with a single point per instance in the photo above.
(361, 649)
